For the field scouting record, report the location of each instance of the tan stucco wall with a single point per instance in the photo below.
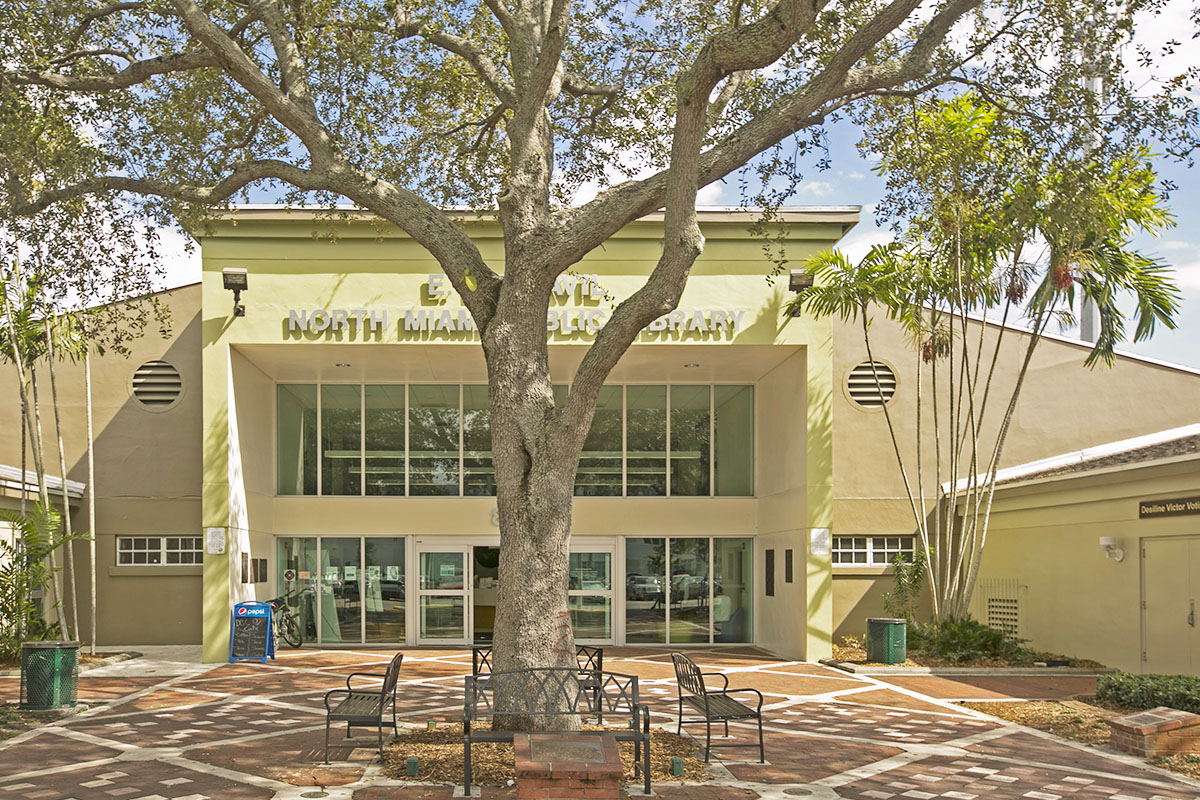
(1073, 599)
(148, 470)
(1063, 407)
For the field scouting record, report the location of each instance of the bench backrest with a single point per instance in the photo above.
(549, 692)
(688, 676)
(591, 659)
(391, 676)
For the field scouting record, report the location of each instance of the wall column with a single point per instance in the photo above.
(819, 577)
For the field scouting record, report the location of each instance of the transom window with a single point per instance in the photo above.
(159, 550)
(877, 551)
(421, 440)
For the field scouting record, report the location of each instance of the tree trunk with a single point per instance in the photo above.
(69, 548)
(536, 454)
(91, 487)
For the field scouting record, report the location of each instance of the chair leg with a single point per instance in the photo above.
(380, 729)
(707, 740)
(326, 738)
(467, 769)
(679, 728)
(762, 754)
(726, 729)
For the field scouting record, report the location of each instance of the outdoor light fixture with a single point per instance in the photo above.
(341, 364)
(798, 281)
(1109, 545)
(690, 366)
(235, 281)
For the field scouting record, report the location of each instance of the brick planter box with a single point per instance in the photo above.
(564, 766)
(1158, 732)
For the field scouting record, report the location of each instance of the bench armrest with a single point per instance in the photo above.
(720, 675)
(363, 675)
(331, 693)
(738, 691)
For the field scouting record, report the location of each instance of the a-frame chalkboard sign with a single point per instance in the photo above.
(250, 635)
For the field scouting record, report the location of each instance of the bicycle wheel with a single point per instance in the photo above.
(289, 630)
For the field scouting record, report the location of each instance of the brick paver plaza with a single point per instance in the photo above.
(161, 731)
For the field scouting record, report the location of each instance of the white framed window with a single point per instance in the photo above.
(872, 551)
(137, 551)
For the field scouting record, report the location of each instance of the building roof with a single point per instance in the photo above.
(1140, 450)
(11, 479)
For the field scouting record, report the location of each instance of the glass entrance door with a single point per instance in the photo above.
(443, 595)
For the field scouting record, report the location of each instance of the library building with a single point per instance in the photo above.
(315, 425)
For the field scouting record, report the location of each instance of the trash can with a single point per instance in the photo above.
(886, 641)
(49, 674)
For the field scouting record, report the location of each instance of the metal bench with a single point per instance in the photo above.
(713, 705)
(556, 695)
(364, 707)
(590, 660)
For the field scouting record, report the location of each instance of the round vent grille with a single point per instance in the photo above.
(871, 388)
(157, 385)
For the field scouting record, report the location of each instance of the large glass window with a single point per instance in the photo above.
(645, 590)
(646, 441)
(296, 434)
(690, 425)
(599, 472)
(479, 473)
(384, 415)
(733, 449)
(341, 439)
(706, 595)
(433, 440)
(383, 593)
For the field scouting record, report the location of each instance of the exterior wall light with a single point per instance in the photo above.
(798, 281)
(235, 281)
(1109, 545)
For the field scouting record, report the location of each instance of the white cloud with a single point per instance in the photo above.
(858, 244)
(815, 189)
(181, 267)
(1187, 276)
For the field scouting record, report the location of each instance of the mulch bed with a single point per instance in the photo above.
(1083, 719)
(854, 652)
(14, 721)
(441, 758)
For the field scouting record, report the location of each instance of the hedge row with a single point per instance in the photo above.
(1149, 691)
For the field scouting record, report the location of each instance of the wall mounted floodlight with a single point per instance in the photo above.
(1109, 545)
(235, 281)
(800, 280)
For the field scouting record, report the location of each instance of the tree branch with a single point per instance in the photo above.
(107, 11)
(293, 75)
(134, 74)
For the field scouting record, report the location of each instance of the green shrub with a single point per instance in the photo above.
(1149, 691)
(909, 579)
(959, 639)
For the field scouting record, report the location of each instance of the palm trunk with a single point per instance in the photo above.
(39, 458)
(69, 553)
(91, 487)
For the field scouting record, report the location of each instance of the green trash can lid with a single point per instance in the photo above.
(886, 621)
(49, 645)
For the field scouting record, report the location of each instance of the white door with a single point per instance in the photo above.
(443, 595)
(1170, 591)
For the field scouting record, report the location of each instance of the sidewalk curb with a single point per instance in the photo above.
(998, 672)
(104, 662)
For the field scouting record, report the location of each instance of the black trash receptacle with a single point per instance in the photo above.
(49, 674)
(887, 640)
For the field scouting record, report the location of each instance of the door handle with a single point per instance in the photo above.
(1192, 612)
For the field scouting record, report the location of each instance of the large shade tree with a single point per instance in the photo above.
(406, 108)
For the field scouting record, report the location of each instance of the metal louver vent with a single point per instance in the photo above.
(157, 385)
(871, 388)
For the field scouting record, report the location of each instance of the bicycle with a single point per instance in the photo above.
(287, 625)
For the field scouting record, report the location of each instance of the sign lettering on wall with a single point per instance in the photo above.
(1175, 507)
(566, 320)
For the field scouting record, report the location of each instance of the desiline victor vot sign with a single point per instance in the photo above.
(1175, 507)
